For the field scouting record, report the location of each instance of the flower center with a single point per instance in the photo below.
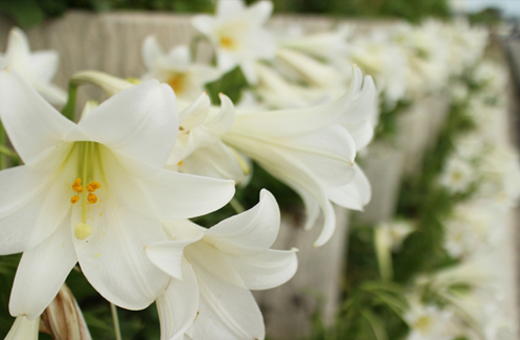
(457, 176)
(177, 82)
(227, 42)
(423, 323)
(88, 152)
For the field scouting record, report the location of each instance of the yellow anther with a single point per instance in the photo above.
(92, 198)
(74, 199)
(93, 186)
(82, 231)
(76, 186)
(180, 163)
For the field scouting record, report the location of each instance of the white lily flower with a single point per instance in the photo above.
(24, 329)
(313, 149)
(471, 230)
(238, 36)
(429, 322)
(177, 69)
(199, 149)
(427, 51)
(327, 45)
(457, 175)
(395, 232)
(219, 268)
(314, 72)
(279, 93)
(93, 193)
(36, 68)
(383, 60)
(467, 44)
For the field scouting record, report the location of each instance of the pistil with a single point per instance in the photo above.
(87, 151)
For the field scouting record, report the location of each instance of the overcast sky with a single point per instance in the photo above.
(510, 7)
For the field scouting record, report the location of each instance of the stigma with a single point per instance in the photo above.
(82, 231)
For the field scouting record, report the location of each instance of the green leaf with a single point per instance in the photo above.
(26, 13)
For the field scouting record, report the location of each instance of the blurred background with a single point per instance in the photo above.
(345, 293)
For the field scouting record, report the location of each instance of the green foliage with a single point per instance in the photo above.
(488, 17)
(423, 199)
(411, 10)
(387, 127)
(231, 84)
(372, 311)
(8, 265)
(32, 12)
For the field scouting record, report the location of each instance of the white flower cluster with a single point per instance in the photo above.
(484, 166)
(114, 192)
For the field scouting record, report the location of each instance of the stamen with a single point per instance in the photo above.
(82, 231)
(93, 186)
(76, 186)
(180, 163)
(74, 199)
(92, 198)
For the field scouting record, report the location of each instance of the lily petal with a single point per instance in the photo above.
(225, 118)
(249, 232)
(167, 195)
(41, 273)
(34, 127)
(113, 257)
(196, 113)
(18, 50)
(24, 329)
(43, 65)
(29, 211)
(227, 312)
(149, 113)
(213, 261)
(259, 12)
(292, 122)
(179, 305)
(168, 255)
(354, 195)
(215, 161)
(226, 10)
(52, 93)
(171, 189)
(203, 23)
(151, 52)
(266, 270)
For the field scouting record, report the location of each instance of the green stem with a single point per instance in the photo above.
(3, 142)
(384, 254)
(235, 204)
(117, 329)
(70, 108)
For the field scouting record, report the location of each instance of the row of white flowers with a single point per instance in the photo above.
(114, 192)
